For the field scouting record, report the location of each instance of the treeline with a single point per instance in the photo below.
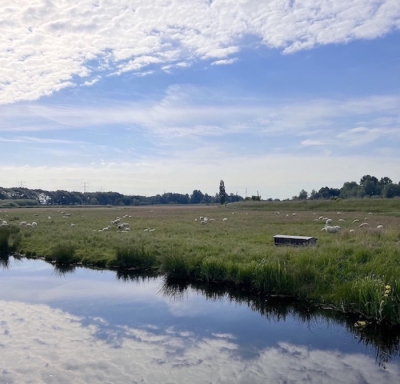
(368, 187)
(24, 196)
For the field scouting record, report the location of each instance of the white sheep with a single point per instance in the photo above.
(355, 221)
(224, 219)
(341, 219)
(4, 223)
(328, 221)
(380, 226)
(330, 229)
(34, 224)
(363, 225)
(23, 223)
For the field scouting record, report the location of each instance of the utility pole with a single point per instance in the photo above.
(84, 187)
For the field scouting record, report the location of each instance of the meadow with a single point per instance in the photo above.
(353, 272)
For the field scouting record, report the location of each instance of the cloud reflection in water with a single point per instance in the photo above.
(40, 344)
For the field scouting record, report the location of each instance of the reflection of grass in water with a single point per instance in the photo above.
(136, 275)
(4, 262)
(62, 269)
(384, 339)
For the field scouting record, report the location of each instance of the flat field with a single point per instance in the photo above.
(355, 270)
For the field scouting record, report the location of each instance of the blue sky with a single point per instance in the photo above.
(142, 97)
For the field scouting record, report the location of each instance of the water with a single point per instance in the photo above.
(86, 326)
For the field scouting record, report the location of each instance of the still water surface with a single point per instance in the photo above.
(86, 326)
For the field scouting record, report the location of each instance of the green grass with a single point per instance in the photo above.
(345, 270)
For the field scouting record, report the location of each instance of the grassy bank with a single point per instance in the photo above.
(354, 272)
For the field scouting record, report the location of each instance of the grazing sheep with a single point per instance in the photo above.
(351, 231)
(34, 224)
(363, 225)
(224, 219)
(379, 226)
(72, 225)
(355, 221)
(22, 223)
(106, 228)
(330, 229)
(329, 221)
(277, 213)
(4, 223)
(341, 219)
(294, 214)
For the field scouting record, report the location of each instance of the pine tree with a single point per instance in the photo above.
(222, 193)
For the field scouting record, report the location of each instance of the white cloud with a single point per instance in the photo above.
(273, 175)
(224, 62)
(55, 347)
(47, 46)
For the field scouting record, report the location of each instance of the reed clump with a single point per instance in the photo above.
(9, 239)
(63, 253)
(133, 255)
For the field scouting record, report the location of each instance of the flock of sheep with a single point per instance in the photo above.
(328, 228)
(336, 228)
(124, 226)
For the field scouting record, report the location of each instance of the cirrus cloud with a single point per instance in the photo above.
(50, 45)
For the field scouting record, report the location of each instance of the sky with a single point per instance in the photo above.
(144, 97)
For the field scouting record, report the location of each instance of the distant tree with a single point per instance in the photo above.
(303, 195)
(385, 181)
(350, 190)
(391, 190)
(222, 192)
(314, 195)
(196, 197)
(370, 185)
